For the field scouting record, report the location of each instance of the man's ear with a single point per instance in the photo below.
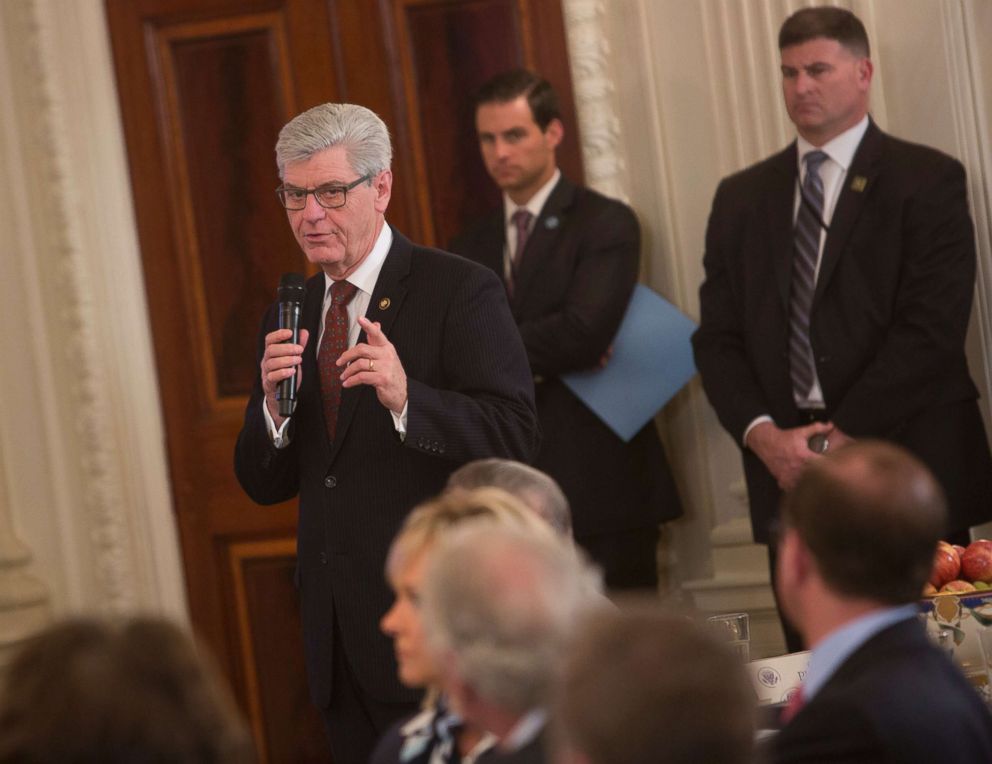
(382, 184)
(865, 71)
(554, 133)
(795, 561)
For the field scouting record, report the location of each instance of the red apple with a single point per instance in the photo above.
(959, 549)
(957, 587)
(946, 565)
(976, 562)
(929, 589)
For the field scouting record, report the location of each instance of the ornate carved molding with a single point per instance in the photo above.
(83, 384)
(595, 97)
(972, 121)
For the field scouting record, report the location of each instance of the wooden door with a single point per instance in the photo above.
(204, 87)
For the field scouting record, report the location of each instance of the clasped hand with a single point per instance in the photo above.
(786, 452)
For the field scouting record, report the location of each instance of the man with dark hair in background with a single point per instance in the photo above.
(569, 259)
(859, 531)
(839, 279)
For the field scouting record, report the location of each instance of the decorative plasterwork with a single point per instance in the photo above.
(72, 317)
(592, 81)
(972, 123)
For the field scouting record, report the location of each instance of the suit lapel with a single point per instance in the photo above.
(387, 298)
(781, 199)
(859, 183)
(490, 247)
(547, 228)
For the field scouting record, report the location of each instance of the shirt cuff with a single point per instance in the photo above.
(279, 437)
(399, 420)
(754, 423)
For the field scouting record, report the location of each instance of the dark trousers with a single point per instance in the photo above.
(629, 559)
(355, 721)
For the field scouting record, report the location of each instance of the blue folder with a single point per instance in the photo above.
(651, 361)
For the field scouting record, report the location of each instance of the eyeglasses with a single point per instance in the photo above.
(329, 196)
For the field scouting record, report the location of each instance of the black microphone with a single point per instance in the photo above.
(290, 306)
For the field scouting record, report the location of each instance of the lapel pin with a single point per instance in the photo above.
(859, 183)
(551, 223)
(384, 303)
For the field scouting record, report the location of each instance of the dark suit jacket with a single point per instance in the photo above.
(575, 279)
(888, 322)
(470, 396)
(896, 699)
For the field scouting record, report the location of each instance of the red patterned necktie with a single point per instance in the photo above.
(332, 345)
(521, 219)
(796, 702)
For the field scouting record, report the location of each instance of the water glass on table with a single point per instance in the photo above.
(735, 630)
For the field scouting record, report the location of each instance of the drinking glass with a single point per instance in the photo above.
(735, 629)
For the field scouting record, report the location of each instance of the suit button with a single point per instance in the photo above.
(323, 558)
(440, 448)
(330, 481)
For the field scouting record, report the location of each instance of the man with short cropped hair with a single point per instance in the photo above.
(839, 280)
(569, 259)
(859, 531)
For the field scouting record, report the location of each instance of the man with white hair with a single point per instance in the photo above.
(499, 605)
(408, 365)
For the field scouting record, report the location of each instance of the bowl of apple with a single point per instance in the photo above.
(958, 599)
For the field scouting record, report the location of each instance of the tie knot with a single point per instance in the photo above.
(813, 161)
(521, 218)
(342, 292)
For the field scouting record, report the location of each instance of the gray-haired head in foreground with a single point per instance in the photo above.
(363, 135)
(536, 489)
(499, 605)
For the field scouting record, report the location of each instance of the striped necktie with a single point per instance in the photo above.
(809, 220)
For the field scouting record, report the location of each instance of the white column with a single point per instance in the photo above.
(82, 461)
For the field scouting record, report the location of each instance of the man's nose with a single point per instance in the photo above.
(803, 82)
(312, 210)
